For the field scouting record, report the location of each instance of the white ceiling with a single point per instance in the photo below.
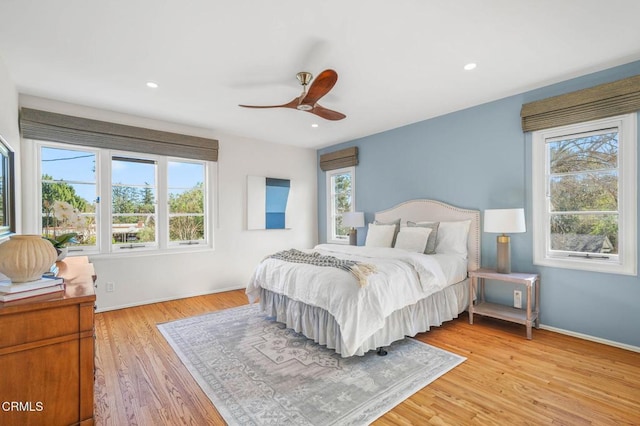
(398, 62)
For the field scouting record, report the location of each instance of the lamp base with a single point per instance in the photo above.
(353, 237)
(504, 254)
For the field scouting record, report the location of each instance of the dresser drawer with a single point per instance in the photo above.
(33, 326)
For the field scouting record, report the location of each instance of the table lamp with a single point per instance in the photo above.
(504, 221)
(353, 220)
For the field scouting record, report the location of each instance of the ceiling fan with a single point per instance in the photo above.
(308, 100)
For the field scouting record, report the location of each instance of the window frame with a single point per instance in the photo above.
(331, 236)
(104, 246)
(625, 263)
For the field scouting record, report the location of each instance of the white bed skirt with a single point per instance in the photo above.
(320, 326)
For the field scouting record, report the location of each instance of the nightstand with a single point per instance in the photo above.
(528, 317)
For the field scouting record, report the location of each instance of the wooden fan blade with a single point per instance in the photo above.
(326, 113)
(293, 104)
(320, 87)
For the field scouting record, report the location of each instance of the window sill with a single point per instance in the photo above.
(593, 265)
(343, 242)
(146, 253)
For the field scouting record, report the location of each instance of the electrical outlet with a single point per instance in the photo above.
(517, 299)
(110, 286)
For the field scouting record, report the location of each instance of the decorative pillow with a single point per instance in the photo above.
(433, 236)
(395, 223)
(380, 235)
(413, 238)
(452, 237)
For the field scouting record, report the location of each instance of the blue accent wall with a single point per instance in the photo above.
(479, 158)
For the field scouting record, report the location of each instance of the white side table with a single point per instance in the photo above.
(528, 317)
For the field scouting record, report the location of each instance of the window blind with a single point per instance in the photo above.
(50, 126)
(605, 100)
(338, 159)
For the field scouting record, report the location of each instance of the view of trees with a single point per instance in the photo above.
(584, 186)
(134, 206)
(3, 197)
(6, 175)
(182, 227)
(52, 226)
(342, 188)
(61, 191)
(130, 205)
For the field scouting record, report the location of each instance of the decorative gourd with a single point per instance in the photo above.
(26, 257)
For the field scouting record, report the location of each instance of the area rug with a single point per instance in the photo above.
(257, 372)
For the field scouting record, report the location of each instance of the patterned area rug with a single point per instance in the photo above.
(257, 372)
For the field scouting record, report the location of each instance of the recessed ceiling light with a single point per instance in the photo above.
(152, 84)
(314, 125)
(470, 66)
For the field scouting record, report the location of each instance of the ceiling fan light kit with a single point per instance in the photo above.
(308, 100)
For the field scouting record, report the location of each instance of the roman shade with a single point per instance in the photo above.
(605, 100)
(50, 126)
(338, 159)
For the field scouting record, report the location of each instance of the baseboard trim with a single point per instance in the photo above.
(591, 338)
(166, 299)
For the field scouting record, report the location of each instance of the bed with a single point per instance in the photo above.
(404, 293)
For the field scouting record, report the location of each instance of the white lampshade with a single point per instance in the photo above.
(353, 219)
(504, 221)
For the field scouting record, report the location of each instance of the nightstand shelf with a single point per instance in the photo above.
(502, 312)
(528, 317)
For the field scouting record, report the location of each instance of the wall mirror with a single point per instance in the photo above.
(7, 201)
(267, 202)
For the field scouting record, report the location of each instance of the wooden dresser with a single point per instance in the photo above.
(47, 353)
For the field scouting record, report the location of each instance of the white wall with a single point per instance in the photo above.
(144, 279)
(9, 126)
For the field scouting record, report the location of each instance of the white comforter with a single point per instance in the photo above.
(402, 279)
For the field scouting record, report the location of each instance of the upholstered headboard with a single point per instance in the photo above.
(436, 211)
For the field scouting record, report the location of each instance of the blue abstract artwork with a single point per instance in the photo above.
(277, 194)
(267, 200)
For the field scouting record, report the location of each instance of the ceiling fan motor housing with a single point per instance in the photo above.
(304, 77)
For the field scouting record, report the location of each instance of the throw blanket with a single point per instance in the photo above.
(358, 269)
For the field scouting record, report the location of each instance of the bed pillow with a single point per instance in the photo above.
(380, 235)
(433, 236)
(452, 237)
(395, 223)
(413, 238)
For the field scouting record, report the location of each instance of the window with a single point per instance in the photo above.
(122, 202)
(69, 194)
(187, 224)
(6, 190)
(584, 196)
(133, 202)
(340, 199)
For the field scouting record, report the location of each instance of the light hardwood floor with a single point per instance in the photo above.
(506, 379)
